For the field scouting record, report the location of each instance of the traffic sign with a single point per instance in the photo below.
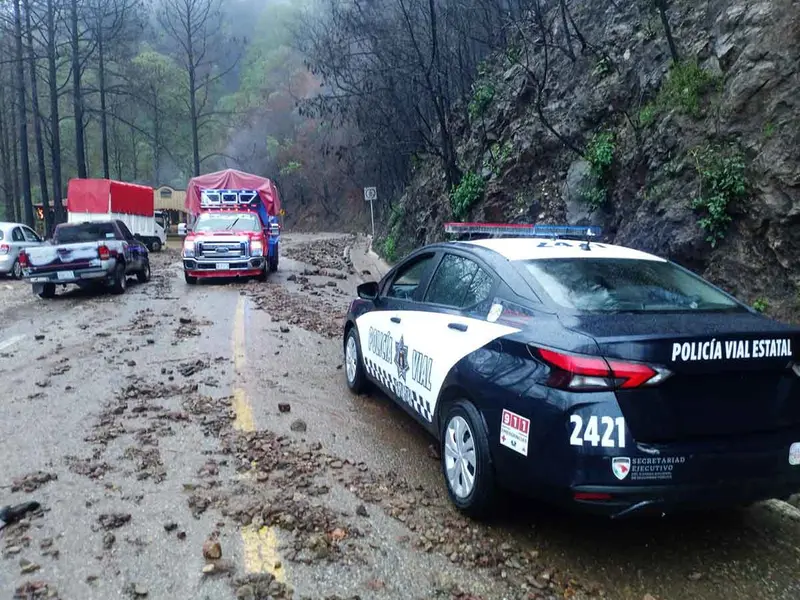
(370, 194)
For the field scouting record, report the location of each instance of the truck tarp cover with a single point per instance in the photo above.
(107, 196)
(230, 179)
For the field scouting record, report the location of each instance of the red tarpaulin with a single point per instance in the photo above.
(230, 179)
(104, 195)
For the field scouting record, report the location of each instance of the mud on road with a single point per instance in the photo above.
(200, 442)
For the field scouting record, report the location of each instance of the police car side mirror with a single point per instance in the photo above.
(368, 291)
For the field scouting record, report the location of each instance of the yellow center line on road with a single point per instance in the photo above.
(260, 545)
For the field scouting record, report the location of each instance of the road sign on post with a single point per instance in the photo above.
(370, 195)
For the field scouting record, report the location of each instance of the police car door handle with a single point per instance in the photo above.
(395, 319)
(457, 326)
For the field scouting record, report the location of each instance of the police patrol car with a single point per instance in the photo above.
(580, 372)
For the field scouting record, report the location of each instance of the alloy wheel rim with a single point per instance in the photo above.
(351, 356)
(17, 270)
(459, 457)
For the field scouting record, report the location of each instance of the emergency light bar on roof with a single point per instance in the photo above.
(227, 198)
(524, 230)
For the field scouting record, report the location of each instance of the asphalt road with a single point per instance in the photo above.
(155, 425)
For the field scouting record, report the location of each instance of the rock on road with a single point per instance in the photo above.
(200, 442)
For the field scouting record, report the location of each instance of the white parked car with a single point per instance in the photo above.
(13, 238)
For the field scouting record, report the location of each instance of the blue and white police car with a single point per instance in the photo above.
(587, 374)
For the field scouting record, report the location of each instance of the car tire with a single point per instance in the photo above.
(120, 283)
(48, 291)
(155, 246)
(463, 430)
(273, 262)
(189, 279)
(262, 276)
(16, 270)
(144, 275)
(354, 372)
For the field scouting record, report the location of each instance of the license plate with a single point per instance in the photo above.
(66, 274)
(222, 266)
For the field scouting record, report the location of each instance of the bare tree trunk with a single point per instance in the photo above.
(135, 154)
(101, 75)
(193, 107)
(37, 124)
(5, 162)
(661, 5)
(55, 132)
(156, 141)
(77, 95)
(565, 25)
(23, 118)
(13, 147)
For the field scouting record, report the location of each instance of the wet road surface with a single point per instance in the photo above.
(155, 425)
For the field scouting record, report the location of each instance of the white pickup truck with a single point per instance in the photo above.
(86, 254)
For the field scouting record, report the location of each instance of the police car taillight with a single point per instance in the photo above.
(103, 253)
(595, 373)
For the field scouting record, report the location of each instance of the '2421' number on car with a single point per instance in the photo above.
(592, 432)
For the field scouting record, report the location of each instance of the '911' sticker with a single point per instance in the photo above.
(612, 435)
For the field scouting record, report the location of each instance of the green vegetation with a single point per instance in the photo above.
(600, 153)
(600, 156)
(769, 130)
(390, 249)
(499, 154)
(761, 304)
(722, 181)
(389, 246)
(682, 90)
(482, 96)
(602, 68)
(464, 195)
(647, 114)
(291, 167)
(684, 87)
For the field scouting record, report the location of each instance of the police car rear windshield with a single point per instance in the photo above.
(227, 222)
(625, 285)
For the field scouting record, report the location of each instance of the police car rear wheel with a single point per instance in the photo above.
(354, 370)
(466, 462)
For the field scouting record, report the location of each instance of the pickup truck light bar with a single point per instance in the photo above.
(228, 198)
(524, 230)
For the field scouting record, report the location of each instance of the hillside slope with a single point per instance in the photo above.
(696, 161)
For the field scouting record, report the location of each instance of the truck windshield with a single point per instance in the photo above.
(227, 222)
(606, 285)
(84, 232)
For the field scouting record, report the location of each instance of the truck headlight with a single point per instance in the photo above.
(256, 248)
(188, 248)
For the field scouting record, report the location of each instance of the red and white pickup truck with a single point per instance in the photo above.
(86, 254)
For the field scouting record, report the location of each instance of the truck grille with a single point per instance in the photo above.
(226, 250)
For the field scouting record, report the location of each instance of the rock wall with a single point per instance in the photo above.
(749, 51)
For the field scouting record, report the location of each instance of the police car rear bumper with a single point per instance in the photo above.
(621, 502)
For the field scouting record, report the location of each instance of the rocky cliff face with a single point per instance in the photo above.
(698, 162)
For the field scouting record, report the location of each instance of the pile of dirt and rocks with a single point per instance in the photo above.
(322, 314)
(324, 254)
(286, 480)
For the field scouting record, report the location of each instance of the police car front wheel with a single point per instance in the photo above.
(466, 461)
(354, 369)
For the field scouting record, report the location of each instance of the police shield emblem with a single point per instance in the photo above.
(621, 467)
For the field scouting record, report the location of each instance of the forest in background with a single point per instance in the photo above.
(323, 96)
(154, 93)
